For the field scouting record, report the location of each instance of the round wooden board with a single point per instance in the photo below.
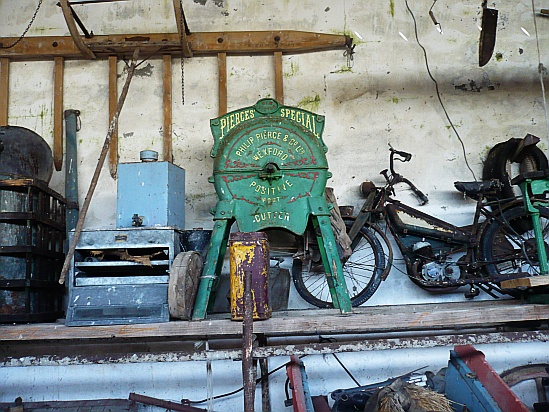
(183, 285)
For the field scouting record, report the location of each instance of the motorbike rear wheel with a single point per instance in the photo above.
(362, 273)
(509, 243)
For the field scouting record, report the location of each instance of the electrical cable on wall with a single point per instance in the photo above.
(224, 395)
(438, 91)
(540, 71)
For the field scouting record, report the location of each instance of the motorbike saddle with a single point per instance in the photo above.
(473, 189)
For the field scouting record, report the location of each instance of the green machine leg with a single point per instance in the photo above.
(332, 263)
(537, 187)
(212, 267)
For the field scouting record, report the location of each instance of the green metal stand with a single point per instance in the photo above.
(531, 185)
(212, 267)
(320, 216)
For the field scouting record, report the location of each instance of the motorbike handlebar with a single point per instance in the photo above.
(406, 157)
(395, 178)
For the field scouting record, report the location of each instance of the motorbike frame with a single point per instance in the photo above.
(450, 239)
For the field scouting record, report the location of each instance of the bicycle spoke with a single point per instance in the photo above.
(361, 272)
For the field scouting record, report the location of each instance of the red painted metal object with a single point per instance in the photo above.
(496, 387)
(293, 370)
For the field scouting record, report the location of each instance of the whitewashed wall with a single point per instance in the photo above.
(386, 97)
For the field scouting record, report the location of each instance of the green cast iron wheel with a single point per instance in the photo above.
(509, 244)
(362, 272)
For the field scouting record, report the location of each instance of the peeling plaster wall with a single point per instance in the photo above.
(386, 97)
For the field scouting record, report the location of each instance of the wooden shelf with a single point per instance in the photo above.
(377, 319)
(286, 333)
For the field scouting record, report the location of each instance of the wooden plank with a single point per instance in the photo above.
(113, 101)
(158, 44)
(73, 30)
(376, 319)
(529, 282)
(288, 41)
(167, 103)
(4, 90)
(59, 67)
(182, 29)
(222, 82)
(279, 79)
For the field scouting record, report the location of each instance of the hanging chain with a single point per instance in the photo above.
(181, 28)
(26, 30)
(182, 81)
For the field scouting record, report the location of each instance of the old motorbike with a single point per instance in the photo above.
(498, 245)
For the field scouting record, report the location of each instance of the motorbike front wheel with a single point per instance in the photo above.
(509, 244)
(362, 273)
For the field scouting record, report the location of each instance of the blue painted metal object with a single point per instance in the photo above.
(150, 194)
(463, 387)
(71, 168)
(120, 276)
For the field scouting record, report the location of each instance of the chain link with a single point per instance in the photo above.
(26, 30)
(181, 28)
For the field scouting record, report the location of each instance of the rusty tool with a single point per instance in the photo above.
(101, 161)
(147, 400)
(487, 40)
(247, 345)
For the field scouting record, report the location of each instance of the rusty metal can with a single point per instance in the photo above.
(249, 252)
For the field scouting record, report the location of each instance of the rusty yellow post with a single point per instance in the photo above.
(249, 253)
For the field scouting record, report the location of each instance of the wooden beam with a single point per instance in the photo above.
(158, 44)
(73, 30)
(4, 90)
(182, 28)
(528, 282)
(222, 82)
(113, 101)
(58, 113)
(367, 319)
(279, 79)
(167, 85)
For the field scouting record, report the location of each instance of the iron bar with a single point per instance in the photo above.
(248, 375)
(147, 400)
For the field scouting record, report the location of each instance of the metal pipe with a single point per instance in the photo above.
(71, 168)
(285, 349)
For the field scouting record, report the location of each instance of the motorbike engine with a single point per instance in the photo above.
(440, 271)
(436, 268)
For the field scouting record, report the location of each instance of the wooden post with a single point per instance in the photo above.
(279, 79)
(167, 128)
(113, 98)
(4, 90)
(100, 163)
(59, 69)
(222, 68)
